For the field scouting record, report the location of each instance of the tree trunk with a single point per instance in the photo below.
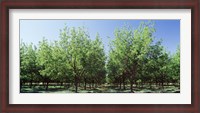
(120, 85)
(93, 84)
(150, 84)
(85, 83)
(47, 85)
(131, 83)
(76, 85)
(131, 86)
(124, 85)
(132, 75)
(90, 85)
(162, 80)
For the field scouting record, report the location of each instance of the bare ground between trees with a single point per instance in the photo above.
(104, 88)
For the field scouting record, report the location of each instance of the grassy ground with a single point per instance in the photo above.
(101, 89)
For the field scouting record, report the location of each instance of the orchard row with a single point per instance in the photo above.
(134, 57)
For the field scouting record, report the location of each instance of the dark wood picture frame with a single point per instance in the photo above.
(194, 107)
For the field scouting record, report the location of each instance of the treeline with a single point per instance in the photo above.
(75, 59)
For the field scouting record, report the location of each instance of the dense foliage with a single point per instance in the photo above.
(134, 59)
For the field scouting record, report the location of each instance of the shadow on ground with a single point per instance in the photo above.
(100, 89)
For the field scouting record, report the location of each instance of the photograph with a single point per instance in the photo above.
(99, 55)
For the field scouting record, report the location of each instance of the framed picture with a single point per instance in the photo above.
(100, 56)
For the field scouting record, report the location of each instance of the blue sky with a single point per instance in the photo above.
(32, 31)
